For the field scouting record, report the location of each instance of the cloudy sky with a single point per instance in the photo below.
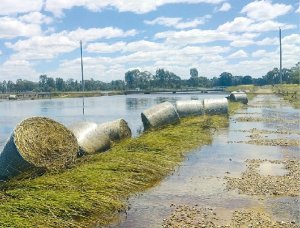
(42, 37)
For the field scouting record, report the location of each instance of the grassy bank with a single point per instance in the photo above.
(85, 94)
(247, 88)
(97, 187)
(290, 92)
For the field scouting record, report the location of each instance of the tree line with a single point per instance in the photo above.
(144, 80)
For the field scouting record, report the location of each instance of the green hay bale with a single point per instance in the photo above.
(91, 139)
(190, 108)
(217, 106)
(38, 142)
(239, 97)
(159, 116)
(116, 130)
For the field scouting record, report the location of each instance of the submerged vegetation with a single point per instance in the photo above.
(97, 188)
(290, 92)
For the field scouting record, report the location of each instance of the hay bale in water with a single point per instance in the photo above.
(239, 97)
(190, 108)
(159, 116)
(215, 106)
(90, 138)
(38, 142)
(116, 130)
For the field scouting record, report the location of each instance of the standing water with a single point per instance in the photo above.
(200, 179)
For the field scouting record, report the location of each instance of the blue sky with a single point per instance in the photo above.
(42, 37)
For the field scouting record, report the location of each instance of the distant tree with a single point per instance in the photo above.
(43, 83)
(247, 80)
(194, 73)
(50, 84)
(60, 84)
(295, 74)
(131, 78)
(225, 79)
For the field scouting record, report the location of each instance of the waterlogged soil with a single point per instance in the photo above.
(248, 177)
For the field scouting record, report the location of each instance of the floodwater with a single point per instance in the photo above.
(199, 180)
(97, 109)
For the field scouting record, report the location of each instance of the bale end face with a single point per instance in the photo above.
(45, 143)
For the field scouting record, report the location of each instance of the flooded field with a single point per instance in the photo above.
(235, 181)
(97, 109)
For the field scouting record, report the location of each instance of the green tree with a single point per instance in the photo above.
(225, 79)
(194, 73)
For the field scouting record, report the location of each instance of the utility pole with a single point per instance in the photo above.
(82, 80)
(280, 69)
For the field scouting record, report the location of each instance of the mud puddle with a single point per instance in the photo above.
(200, 185)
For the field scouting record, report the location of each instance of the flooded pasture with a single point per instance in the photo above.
(208, 188)
(97, 109)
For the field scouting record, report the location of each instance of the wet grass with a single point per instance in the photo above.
(290, 92)
(97, 187)
(247, 88)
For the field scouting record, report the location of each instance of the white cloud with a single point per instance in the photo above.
(136, 6)
(105, 47)
(194, 36)
(238, 54)
(225, 7)
(11, 27)
(15, 69)
(260, 54)
(9, 7)
(268, 41)
(265, 10)
(298, 10)
(244, 24)
(48, 47)
(36, 18)
(92, 34)
(178, 22)
(291, 39)
(241, 43)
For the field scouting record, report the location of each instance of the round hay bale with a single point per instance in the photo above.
(38, 142)
(116, 130)
(159, 116)
(215, 106)
(239, 97)
(189, 108)
(90, 138)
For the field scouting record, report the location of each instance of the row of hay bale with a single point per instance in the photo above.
(40, 142)
(166, 113)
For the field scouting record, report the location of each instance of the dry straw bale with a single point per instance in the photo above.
(189, 108)
(239, 97)
(215, 106)
(38, 142)
(90, 138)
(116, 130)
(159, 116)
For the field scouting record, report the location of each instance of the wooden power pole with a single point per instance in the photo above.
(82, 80)
(280, 69)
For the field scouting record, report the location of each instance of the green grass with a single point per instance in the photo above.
(250, 88)
(97, 187)
(290, 92)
